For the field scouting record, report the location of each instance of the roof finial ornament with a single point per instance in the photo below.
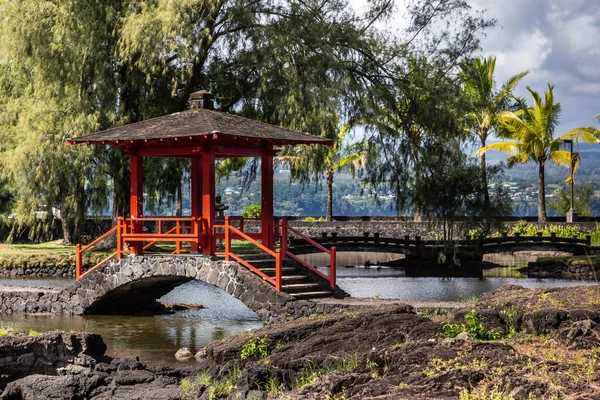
(202, 99)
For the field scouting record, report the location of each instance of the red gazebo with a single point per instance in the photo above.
(202, 135)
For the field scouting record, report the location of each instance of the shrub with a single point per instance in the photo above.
(252, 211)
(473, 327)
(255, 345)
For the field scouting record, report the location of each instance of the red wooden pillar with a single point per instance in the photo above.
(136, 197)
(195, 168)
(266, 173)
(208, 202)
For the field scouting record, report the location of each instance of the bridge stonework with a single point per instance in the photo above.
(133, 284)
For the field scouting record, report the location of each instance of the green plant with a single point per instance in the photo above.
(252, 211)
(255, 345)
(472, 299)
(273, 386)
(223, 387)
(473, 327)
(310, 373)
(203, 379)
(510, 318)
(310, 219)
(192, 387)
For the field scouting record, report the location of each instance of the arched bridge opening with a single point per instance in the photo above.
(131, 285)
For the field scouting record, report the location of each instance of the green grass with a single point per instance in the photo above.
(55, 254)
(11, 331)
(49, 254)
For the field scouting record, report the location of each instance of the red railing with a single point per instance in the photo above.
(229, 231)
(130, 230)
(133, 231)
(79, 250)
(331, 252)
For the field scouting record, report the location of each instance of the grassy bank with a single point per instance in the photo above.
(55, 254)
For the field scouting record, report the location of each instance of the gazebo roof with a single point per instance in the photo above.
(198, 123)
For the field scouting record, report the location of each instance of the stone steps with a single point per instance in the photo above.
(296, 280)
(304, 287)
(311, 295)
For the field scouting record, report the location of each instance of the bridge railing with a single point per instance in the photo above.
(286, 229)
(145, 233)
(230, 232)
(149, 231)
(79, 250)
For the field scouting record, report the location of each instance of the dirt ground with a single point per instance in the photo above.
(545, 346)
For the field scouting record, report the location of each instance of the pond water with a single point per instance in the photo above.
(156, 339)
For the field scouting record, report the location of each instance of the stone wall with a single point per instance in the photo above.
(54, 272)
(27, 300)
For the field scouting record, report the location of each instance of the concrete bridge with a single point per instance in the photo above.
(425, 249)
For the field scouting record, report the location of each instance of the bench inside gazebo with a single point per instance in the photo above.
(202, 135)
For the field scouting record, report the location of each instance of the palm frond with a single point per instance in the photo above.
(512, 148)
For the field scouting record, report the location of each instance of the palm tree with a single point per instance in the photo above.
(479, 87)
(332, 159)
(532, 129)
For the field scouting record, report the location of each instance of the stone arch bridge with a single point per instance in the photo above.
(135, 283)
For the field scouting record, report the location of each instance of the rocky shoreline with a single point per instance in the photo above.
(514, 343)
(563, 268)
(60, 365)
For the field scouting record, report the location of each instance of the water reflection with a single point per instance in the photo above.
(439, 289)
(42, 282)
(156, 339)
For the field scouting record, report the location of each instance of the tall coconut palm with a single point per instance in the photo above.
(532, 129)
(479, 88)
(335, 158)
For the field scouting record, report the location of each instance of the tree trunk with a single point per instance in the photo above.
(329, 215)
(416, 165)
(484, 182)
(541, 191)
(179, 195)
(67, 231)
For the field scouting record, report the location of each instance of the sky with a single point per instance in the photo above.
(557, 40)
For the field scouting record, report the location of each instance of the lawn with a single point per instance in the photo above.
(55, 254)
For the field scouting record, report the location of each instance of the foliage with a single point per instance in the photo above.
(255, 345)
(582, 200)
(450, 187)
(194, 388)
(70, 68)
(532, 131)
(310, 373)
(313, 219)
(525, 229)
(307, 161)
(473, 327)
(485, 102)
(509, 314)
(252, 211)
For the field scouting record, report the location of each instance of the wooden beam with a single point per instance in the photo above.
(224, 152)
(136, 196)
(195, 173)
(208, 201)
(266, 171)
(184, 151)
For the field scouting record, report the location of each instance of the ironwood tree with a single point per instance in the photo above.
(69, 68)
